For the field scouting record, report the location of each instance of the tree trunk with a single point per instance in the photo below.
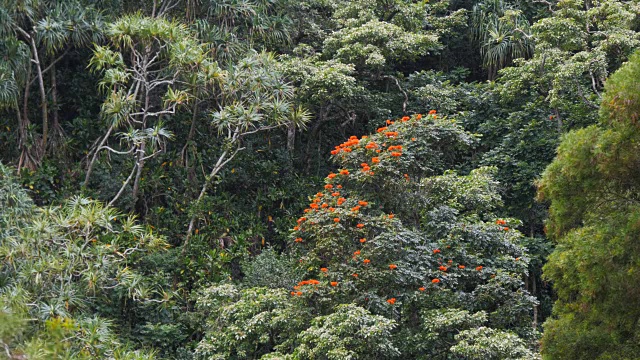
(95, 157)
(140, 164)
(43, 97)
(291, 137)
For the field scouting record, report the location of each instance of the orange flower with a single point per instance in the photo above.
(344, 172)
(331, 176)
(389, 122)
(324, 270)
(363, 203)
(517, 259)
(347, 149)
(334, 283)
(339, 186)
(354, 275)
(413, 139)
(328, 186)
(293, 293)
(375, 160)
(314, 282)
(334, 152)
(381, 129)
(341, 200)
(460, 266)
(506, 229)
(299, 293)
(442, 268)
(436, 251)
(301, 219)
(366, 261)
(479, 268)
(393, 266)
(371, 173)
(307, 210)
(391, 134)
(435, 281)
(336, 220)
(405, 118)
(392, 301)
(418, 116)
(371, 146)
(355, 208)
(357, 252)
(432, 112)
(296, 228)
(360, 226)
(335, 194)
(331, 209)
(363, 240)
(501, 222)
(298, 240)
(391, 216)
(324, 205)
(422, 288)
(364, 164)
(396, 154)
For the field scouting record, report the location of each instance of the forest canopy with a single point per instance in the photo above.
(322, 179)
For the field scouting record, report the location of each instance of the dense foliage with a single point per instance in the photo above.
(155, 155)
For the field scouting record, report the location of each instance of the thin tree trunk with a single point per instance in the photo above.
(534, 291)
(43, 97)
(140, 165)
(95, 157)
(291, 137)
(56, 128)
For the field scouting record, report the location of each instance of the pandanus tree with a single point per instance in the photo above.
(503, 34)
(401, 257)
(34, 36)
(144, 66)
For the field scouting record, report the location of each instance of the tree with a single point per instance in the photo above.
(446, 259)
(34, 32)
(592, 187)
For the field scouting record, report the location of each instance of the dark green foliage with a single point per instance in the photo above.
(592, 186)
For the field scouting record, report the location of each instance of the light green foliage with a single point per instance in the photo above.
(485, 343)
(253, 320)
(350, 332)
(592, 186)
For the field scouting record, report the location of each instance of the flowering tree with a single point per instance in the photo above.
(396, 234)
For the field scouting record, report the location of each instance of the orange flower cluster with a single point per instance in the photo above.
(360, 226)
(422, 288)
(501, 222)
(396, 147)
(331, 176)
(371, 146)
(356, 253)
(344, 172)
(393, 266)
(432, 112)
(379, 130)
(366, 261)
(405, 118)
(396, 154)
(479, 268)
(435, 281)
(324, 270)
(328, 186)
(436, 251)
(341, 201)
(391, 134)
(392, 301)
(298, 240)
(460, 266)
(363, 240)
(442, 268)
(365, 167)
(334, 283)
(418, 116)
